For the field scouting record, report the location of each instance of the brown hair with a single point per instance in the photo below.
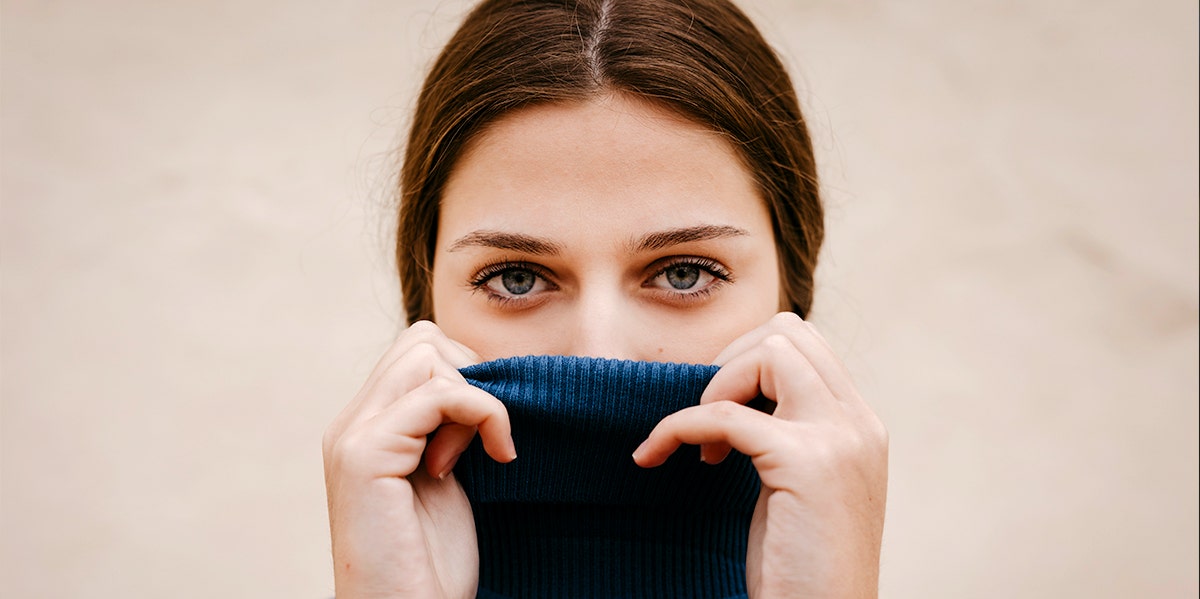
(701, 58)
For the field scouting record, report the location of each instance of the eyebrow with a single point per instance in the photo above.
(516, 242)
(538, 246)
(663, 239)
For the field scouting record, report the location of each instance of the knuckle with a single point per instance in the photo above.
(346, 451)
(880, 435)
(796, 446)
(422, 328)
(423, 331)
(845, 449)
(415, 332)
(330, 438)
(423, 352)
(786, 319)
(496, 406)
(418, 332)
(777, 342)
(440, 384)
(829, 455)
(825, 450)
(725, 409)
(792, 369)
(873, 431)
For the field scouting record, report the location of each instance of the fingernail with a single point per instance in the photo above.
(448, 468)
(637, 453)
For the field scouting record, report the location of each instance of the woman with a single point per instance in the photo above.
(611, 179)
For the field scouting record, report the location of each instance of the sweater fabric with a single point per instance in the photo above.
(573, 516)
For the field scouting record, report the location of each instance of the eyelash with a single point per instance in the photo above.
(721, 275)
(490, 271)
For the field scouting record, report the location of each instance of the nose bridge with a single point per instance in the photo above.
(603, 324)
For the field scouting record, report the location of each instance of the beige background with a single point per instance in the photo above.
(195, 278)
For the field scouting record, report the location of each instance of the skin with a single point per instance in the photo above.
(609, 228)
(593, 182)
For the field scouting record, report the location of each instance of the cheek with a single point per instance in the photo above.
(493, 336)
(722, 329)
(698, 336)
(694, 338)
(754, 304)
(461, 316)
(449, 301)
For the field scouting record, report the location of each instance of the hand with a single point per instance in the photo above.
(822, 456)
(399, 530)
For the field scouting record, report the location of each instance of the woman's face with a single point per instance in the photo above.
(608, 228)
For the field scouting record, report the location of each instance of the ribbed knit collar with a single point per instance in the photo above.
(573, 516)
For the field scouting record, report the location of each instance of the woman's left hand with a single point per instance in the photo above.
(822, 457)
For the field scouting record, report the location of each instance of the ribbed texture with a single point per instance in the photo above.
(573, 516)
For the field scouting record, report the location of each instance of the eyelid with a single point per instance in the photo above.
(709, 265)
(490, 270)
(479, 283)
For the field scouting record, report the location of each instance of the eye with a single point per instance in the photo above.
(516, 281)
(682, 276)
(689, 276)
(511, 281)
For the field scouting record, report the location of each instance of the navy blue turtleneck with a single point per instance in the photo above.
(573, 516)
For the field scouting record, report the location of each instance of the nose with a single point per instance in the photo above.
(604, 326)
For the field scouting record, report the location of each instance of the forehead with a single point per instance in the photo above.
(619, 165)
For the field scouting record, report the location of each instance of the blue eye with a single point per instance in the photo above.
(518, 281)
(682, 276)
(512, 281)
(688, 276)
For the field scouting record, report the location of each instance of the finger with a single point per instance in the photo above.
(421, 337)
(422, 362)
(778, 370)
(806, 338)
(422, 331)
(465, 357)
(390, 443)
(745, 429)
(817, 357)
(837, 376)
(447, 444)
(715, 453)
(419, 353)
(444, 401)
(778, 322)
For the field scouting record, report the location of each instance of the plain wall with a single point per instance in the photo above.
(195, 278)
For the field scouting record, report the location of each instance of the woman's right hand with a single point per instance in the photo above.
(400, 530)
